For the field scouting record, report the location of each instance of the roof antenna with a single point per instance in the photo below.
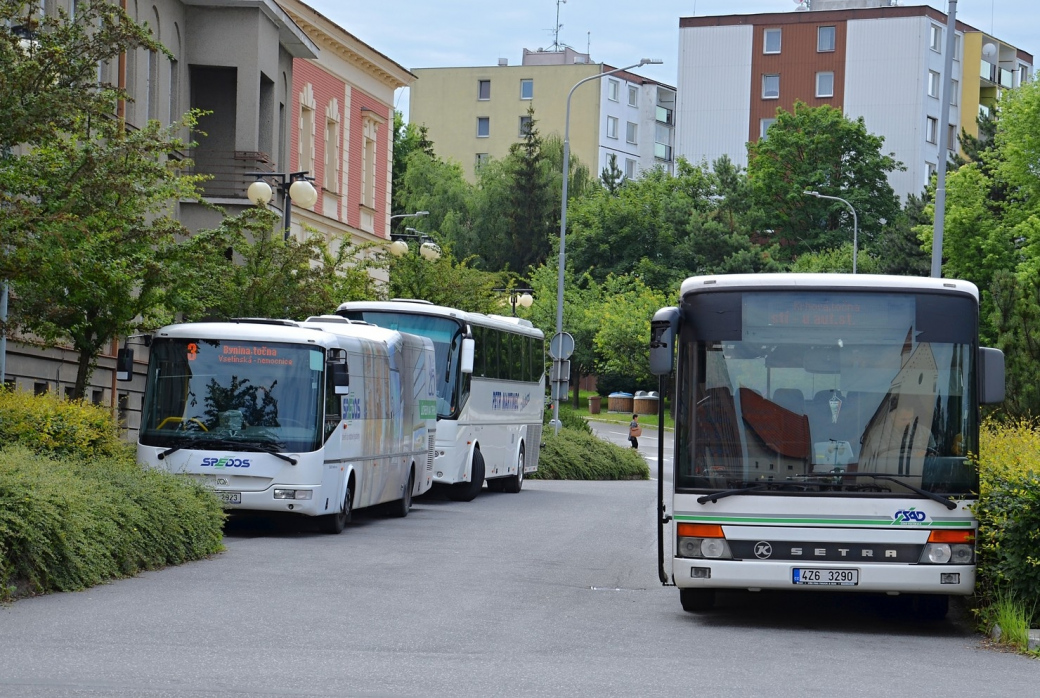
(558, 26)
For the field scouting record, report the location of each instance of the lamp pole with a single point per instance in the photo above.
(855, 221)
(944, 127)
(294, 187)
(409, 215)
(563, 206)
(518, 296)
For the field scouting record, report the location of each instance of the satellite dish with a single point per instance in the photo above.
(989, 50)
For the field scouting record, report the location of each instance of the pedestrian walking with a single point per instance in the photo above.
(634, 431)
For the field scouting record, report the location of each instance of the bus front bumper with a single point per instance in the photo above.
(699, 573)
(265, 500)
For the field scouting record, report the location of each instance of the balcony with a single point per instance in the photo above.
(230, 171)
(665, 116)
(663, 152)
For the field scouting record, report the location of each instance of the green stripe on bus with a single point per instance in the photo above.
(836, 522)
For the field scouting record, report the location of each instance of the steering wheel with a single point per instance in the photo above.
(181, 422)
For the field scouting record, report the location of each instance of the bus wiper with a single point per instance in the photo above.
(942, 499)
(185, 442)
(716, 496)
(265, 445)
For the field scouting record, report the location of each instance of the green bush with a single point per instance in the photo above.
(68, 523)
(1008, 511)
(569, 419)
(576, 455)
(49, 424)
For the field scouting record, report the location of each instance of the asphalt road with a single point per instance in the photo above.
(551, 592)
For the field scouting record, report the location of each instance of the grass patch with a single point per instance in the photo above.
(576, 455)
(1012, 617)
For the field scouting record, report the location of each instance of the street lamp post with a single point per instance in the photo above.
(518, 296)
(428, 249)
(855, 221)
(409, 215)
(295, 187)
(563, 208)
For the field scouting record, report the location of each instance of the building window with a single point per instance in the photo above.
(763, 127)
(39, 389)
(483, 126)
(633, 96)
(770, 87)
(631, 131)
(483, 89)
(480, 161)
(931, 129)
(611, 127)
(935, 38)
(771, 42)
(955, 88)
(825, 84)
(331, 182)
(612, 90)
(525, 125)
(931, 168)
(368, 164)
(956, 47)
(951, 138)
(527, 89)
(153, 85)
(96, 396)
(70, 392)
(933, 84)
(824, 39)
(307, 107)
(630, 168)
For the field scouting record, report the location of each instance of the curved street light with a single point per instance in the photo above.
(855, 220)
(295, 187)
(563, 207)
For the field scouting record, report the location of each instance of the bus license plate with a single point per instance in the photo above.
(230, 497)
(825, 577)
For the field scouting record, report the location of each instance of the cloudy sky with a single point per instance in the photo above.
(439, 33)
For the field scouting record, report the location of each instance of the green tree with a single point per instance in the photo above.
(612, 177)
(623, 340)
(899, 249)
(274, 277)
(408, 138)
(818, 148)
(446, 281)
(837, 260)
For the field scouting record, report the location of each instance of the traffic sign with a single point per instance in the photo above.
(561, 346)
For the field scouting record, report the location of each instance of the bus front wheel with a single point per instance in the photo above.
(695, 600)
(468, 491)
(335, 523)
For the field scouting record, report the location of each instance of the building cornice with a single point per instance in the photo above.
(330, 37)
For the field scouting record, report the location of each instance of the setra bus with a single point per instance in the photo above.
(824, 426)
(315, 418)
(490, 391)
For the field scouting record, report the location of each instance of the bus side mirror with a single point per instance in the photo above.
(468, 348)
(337, 363)
(991, 376)
(663, 329)
(125, 364)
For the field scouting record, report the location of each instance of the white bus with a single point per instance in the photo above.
(315, 418)
(490, 391)
(823, 429)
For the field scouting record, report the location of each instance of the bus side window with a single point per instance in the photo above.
(479, 363)
(333, 406)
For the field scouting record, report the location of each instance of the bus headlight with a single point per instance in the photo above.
(689, 547)
(937, 553)
(961, 554)
(293, 494)
(714, 547)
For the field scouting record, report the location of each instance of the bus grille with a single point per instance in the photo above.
(429, 453)
(534, 446)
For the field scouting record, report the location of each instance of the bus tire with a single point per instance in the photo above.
(335, 523)
(515, 483)
(468, 491)
(400, 507)
(696, 600)
(931, 606)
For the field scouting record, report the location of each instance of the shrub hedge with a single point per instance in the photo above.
(77, 510)
(574, 454)
(1009, 514)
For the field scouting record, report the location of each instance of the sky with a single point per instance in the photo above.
(467, 33)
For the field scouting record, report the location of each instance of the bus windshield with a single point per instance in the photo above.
(821, 392)
(206, 393)
(447, 344)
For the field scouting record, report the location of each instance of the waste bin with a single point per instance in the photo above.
(594, 403)
(619, 402)
(645, 404)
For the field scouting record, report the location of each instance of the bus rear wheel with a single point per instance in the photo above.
(468, 491)
(400, 507)
(515, 483)
(335, 523)
(696, 600)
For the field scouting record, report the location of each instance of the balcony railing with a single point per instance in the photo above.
(664, 115)
(229, 170)
(663, 152)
